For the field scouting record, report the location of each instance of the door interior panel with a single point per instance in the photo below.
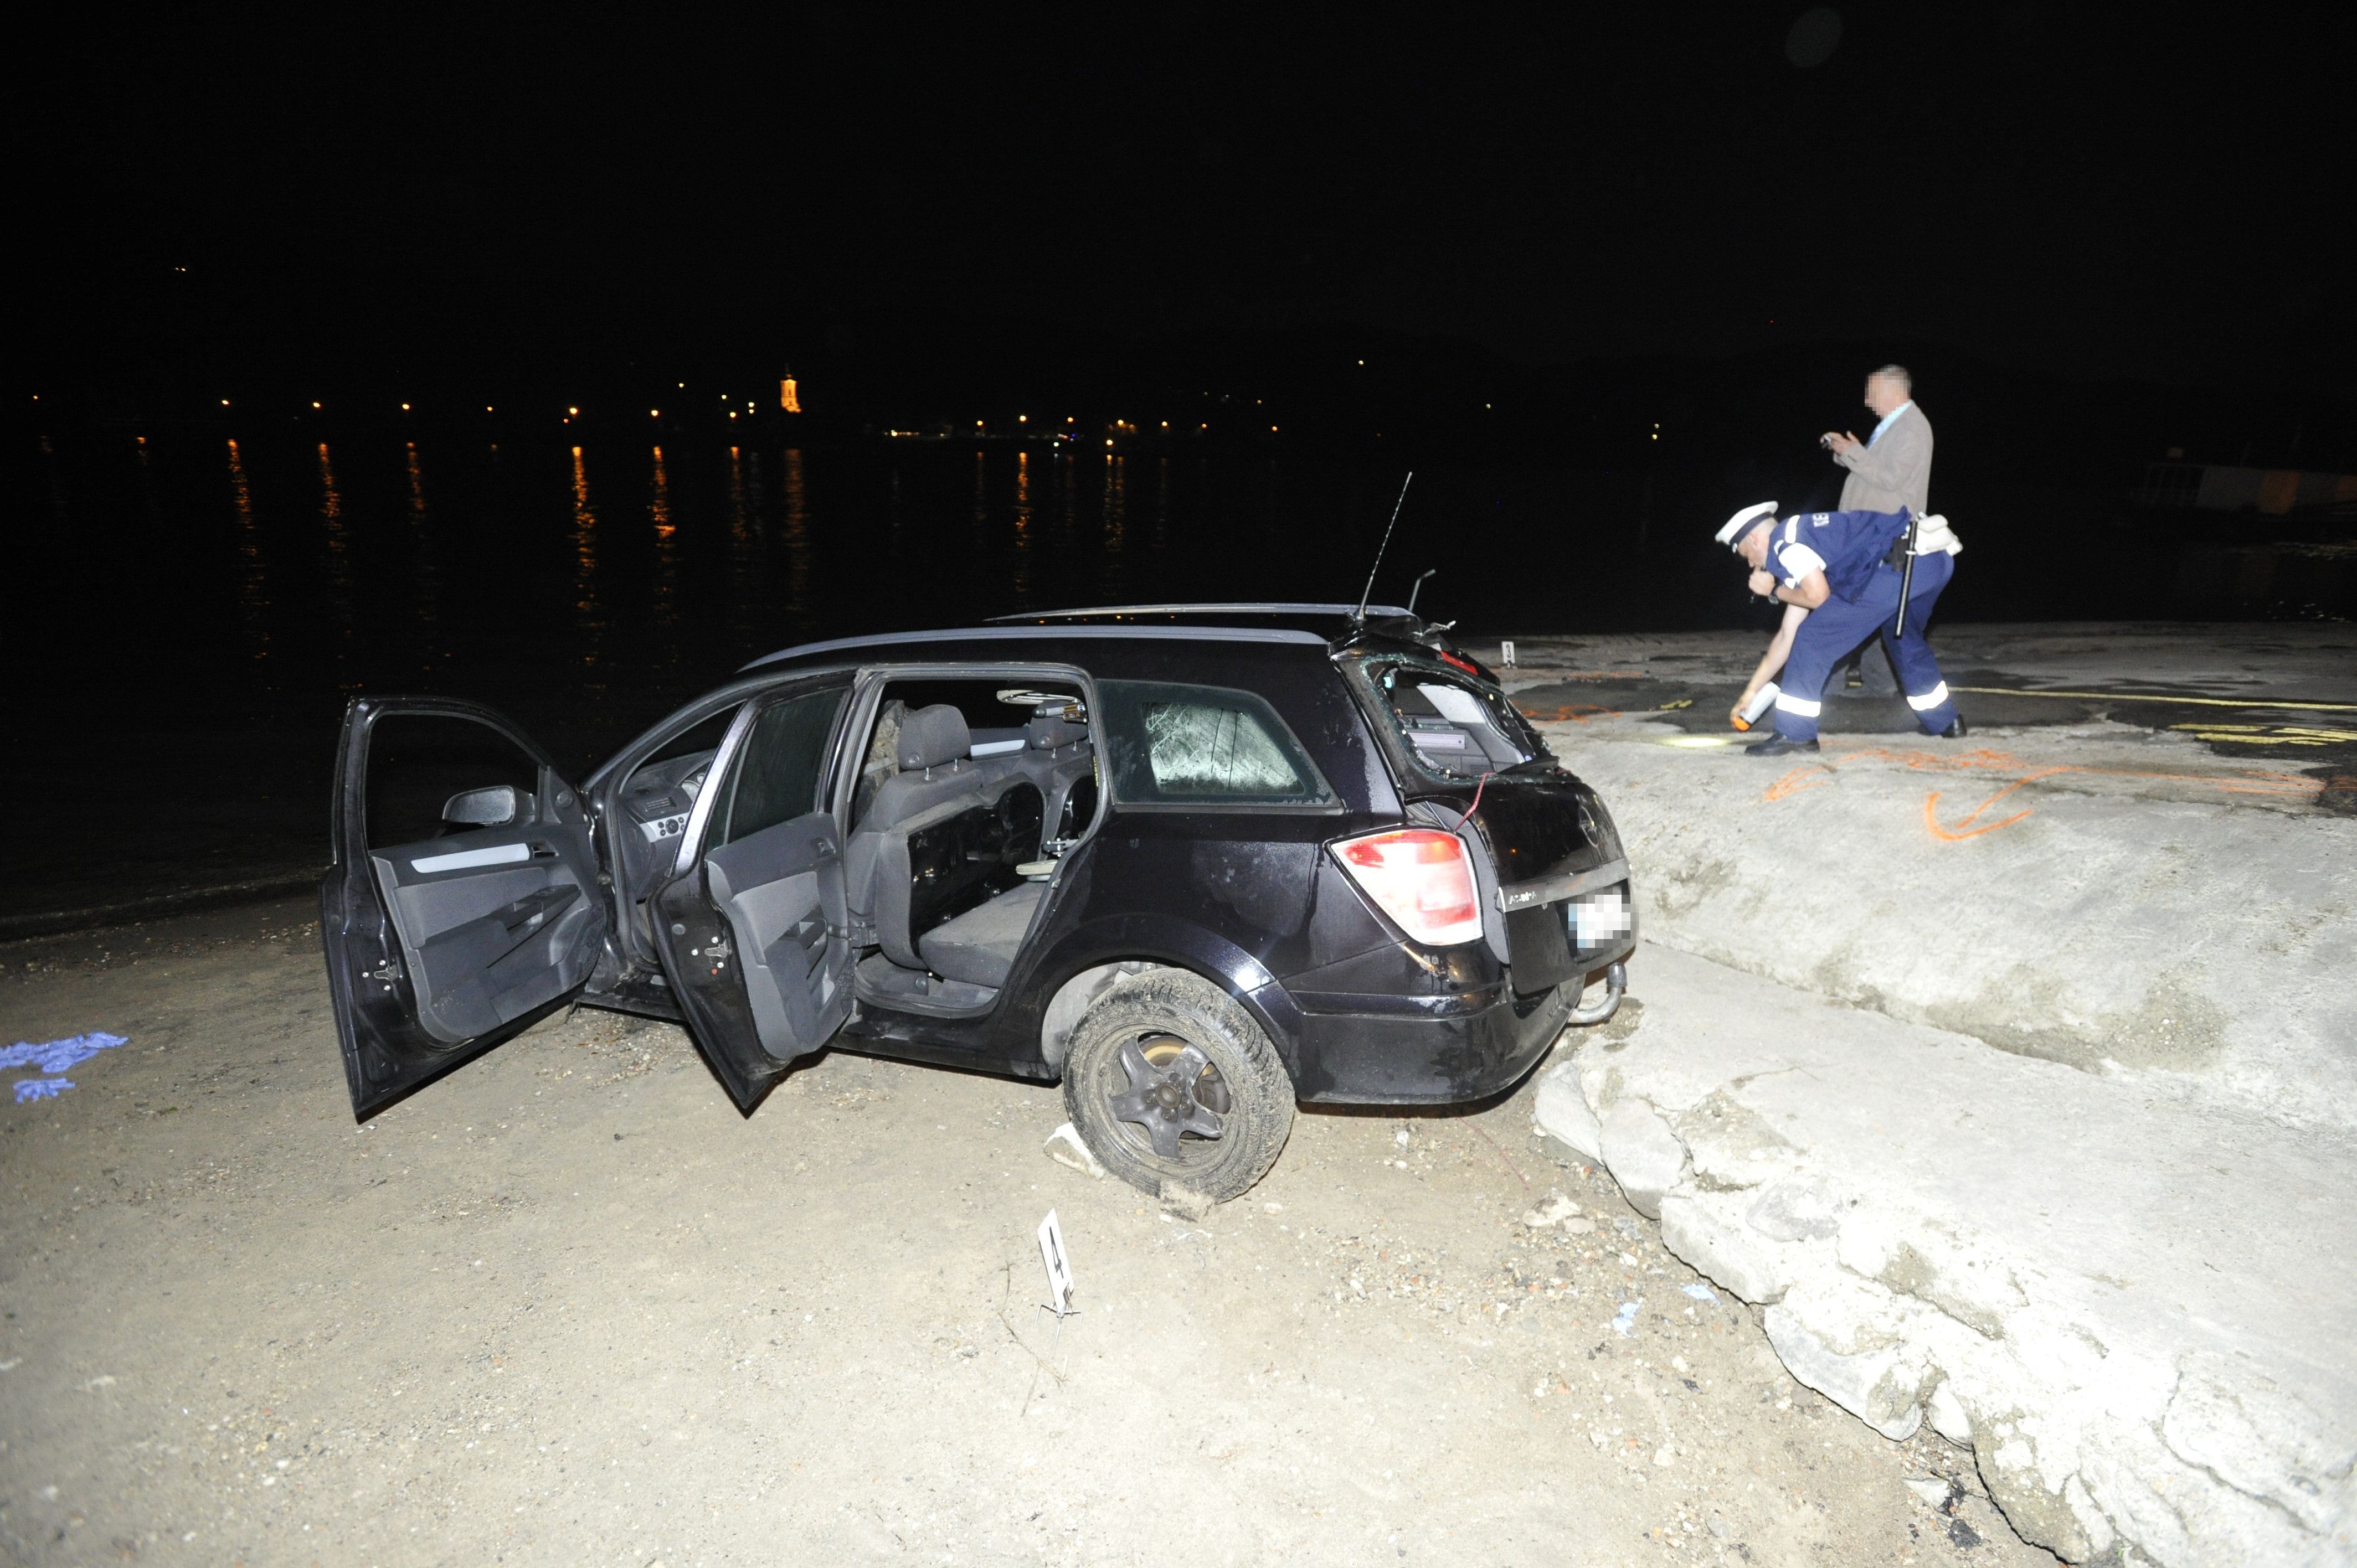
(486, 946)
(444, 938)
(781, 890)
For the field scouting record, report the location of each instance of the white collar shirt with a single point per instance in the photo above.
(1886, 420)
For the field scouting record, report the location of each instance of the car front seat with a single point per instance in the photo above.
(936, 781)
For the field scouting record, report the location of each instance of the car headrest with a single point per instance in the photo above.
(1048, 731)
(931, 737)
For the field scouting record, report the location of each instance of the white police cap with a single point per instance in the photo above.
(1741, 523)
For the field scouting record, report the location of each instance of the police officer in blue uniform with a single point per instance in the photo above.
(1844, 570)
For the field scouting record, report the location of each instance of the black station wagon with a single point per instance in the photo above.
(1199, 862)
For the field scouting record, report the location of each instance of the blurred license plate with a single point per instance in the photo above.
(1597, 918)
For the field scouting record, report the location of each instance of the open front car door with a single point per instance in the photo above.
(751, 926)
(465, 902)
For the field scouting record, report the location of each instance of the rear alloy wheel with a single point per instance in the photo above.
(1175, 1087)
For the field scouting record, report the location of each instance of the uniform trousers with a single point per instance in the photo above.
(1840, 625)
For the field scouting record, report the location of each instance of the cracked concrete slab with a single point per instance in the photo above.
(2136, 1306)
(2025, 892)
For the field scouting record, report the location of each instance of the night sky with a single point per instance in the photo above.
(2149, 194)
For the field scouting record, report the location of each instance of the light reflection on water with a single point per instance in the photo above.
(1114, 506)
(798, 542)
(429, 567)
(743, 550)
(252, 591)
(666, 583)
(1021, 577)
(587, 615)
(338, 536)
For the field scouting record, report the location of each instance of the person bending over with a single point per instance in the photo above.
(1842, 571)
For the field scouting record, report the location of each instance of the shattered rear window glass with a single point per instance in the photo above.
(1204, 745)
(1454, 727)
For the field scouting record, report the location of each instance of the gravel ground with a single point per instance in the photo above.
(566, 1306)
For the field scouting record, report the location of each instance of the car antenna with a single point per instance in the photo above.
(1412, 593)
(1359, 616)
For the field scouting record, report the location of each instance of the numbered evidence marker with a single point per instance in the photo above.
(1506, 655)
(1059, 1268)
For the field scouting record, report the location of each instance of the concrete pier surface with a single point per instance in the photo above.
(2011, 1076)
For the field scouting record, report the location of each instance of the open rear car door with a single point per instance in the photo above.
(751, 923)
(465, 902)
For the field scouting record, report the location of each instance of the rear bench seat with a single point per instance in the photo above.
(979, 946)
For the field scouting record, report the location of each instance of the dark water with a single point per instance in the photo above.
(187, 615)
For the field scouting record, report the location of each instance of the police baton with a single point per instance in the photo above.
(1906, 582)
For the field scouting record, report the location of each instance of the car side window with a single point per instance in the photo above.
(777, 776)
(419, 763)
(1178, 745)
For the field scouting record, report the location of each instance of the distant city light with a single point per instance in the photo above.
(405, 408)
(1272, 430)
(225, 402)
(1022, 419)
(569, 413)
(1108, 440)
(654, 414)
(732, 413)
(789, 397)
(1165, 424)
(315, 405)
(488, 409)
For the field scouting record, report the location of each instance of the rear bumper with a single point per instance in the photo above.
(1466, 1047)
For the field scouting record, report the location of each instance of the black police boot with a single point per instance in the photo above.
(1778, 745)
(1955, 730)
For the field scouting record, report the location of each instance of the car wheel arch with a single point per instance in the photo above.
(1096, 957)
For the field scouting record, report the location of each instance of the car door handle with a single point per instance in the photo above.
(534, 907)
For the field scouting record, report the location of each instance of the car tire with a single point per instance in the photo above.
(1150, 1128)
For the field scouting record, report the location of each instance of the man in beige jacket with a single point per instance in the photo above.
(1892, 466)
(1889, 469)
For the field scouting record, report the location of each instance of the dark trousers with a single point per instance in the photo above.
(1840, 625)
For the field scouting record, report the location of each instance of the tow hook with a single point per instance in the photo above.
(1615, 981)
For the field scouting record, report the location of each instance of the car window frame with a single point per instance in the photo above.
(1405, 757)
(867, 697)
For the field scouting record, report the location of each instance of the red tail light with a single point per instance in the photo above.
(1421, 878)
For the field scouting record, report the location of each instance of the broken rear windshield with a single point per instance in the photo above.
(1454, 727)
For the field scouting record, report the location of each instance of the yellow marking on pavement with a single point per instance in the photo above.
(2267, 735)
(2157, 697)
